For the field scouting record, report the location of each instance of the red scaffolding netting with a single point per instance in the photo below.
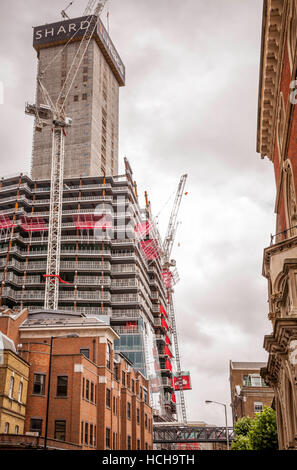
(143, 229)
(166, 351)
(131, 325)
(56, 276)
(92, 221)
(150, 249)
(167, 278)
(33, 224)
(162, 310)
(167, 340)
(6, 222)
(168, 365)
(163, 323)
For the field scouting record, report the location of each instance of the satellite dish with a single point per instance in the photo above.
(238, 389)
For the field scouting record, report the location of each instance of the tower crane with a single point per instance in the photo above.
(167, 264)
(63, 12)
(53, 114)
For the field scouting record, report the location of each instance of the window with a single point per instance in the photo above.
(36, 425)
(114, 440)
(95, 429)
(11, 385)
(85, 96)
(108, 356)
(129, 442)
(83, 388)
(128, 380)
(16, 429)
(6, 428)
(145, 395)
(62, 383)
(85, 70)
(133, 386)
(258, 407)
(20, 392)
(87, 389)
(146, 447)
(140, 393)
(145, 421)
(82, 433)
(91, 434)
(39, 384)
(85, 352)
(92, 392)
(75, 98)
(138, 444)
(116, 371)
(123, 378)
(107, 438)
(129, 410)
(85, 78)
(137, 416)
(256, 381)
(114, 406)
(86, 433)
(108, 398)
(60, 430)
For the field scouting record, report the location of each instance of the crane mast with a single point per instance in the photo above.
(172, 226)
(167, 263)
(53, 114)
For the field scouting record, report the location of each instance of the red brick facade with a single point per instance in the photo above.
(97, 400)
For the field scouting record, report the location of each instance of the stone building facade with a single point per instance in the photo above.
(249, 392)
(276, 139)
(14, 377)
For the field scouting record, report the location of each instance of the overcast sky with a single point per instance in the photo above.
(190, 106)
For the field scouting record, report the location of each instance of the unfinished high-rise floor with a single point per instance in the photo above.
(91, 146)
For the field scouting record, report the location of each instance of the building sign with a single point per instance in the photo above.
(62, 31)
(186, 381)
(110, 48)
(74, 30)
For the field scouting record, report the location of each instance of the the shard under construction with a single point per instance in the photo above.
(109, 248)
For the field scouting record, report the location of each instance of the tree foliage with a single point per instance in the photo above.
(259, 433)
(243, 425)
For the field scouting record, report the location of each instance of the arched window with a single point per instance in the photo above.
(108, 356)
(11, 384)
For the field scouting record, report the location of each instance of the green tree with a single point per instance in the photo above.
(259, 433)
(263, 432)
(243, 425)
(241, 443)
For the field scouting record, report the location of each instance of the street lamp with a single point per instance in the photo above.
(226, 421)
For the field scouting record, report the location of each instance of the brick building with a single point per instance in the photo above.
(276, 139)
(249, 392)
(97, 400)
(14, 375)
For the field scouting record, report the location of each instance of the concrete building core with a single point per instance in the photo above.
(91, 144)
